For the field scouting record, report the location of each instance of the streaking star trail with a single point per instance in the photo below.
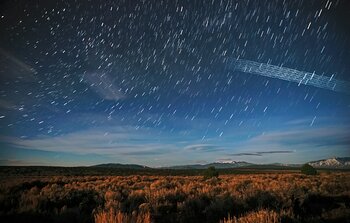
(292, 75)
(162, 83)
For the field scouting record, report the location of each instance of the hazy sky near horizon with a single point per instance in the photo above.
(149, 82)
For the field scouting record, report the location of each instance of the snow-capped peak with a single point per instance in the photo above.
(332, 162)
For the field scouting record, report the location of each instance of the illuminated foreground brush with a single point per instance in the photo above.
(300, 77)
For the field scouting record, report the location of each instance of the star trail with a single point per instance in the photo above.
(152, 82)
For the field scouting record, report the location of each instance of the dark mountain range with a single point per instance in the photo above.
(217, 165)
(122, 166)
(336, 162)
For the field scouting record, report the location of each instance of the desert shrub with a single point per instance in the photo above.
(243, 186)
(76, 204)
(11, 198)
(9, 202)
(175, 197)
(28, 185)
(133, 202)
(308, 170)
(316, 204)
(25, 217)
(165, 213)
(210, 173)
(262, 200)
(221, 206)
(165, 205)
(193, 208)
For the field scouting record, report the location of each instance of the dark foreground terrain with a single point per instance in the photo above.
(54, 194)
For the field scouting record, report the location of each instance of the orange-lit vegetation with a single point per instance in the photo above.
(113, 216)
(261, 216)
(270, 197)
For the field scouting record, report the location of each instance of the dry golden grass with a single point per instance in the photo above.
(262, 216)
(179, 198)
(113, 216)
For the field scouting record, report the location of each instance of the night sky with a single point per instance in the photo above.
(149, 82)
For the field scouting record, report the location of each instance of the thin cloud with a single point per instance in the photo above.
(303, 142)
(297, 122)
(14, 68)
(312, 136)
(7, 105)
(261, 153)
(104, 86)
(203, 148)
(122, 140)
(14, 162)
(272, 152)
(152, 152)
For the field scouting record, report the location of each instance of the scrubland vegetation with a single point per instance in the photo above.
(241, 198)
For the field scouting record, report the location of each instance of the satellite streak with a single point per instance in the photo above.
(300, 77)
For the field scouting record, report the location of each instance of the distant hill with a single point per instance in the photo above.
(335, 162)
(122, 166)
(217, 165)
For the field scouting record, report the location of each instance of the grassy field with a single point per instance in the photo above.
(57, 194)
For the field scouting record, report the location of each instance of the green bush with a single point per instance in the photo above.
(308, 170)
(210, 173)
